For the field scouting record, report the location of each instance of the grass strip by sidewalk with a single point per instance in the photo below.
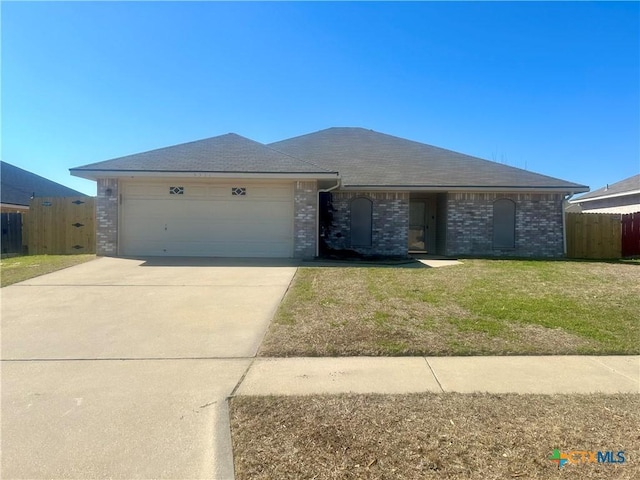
(423, 436)
(482, 307)
(18, 269)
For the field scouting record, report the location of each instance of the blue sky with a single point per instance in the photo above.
(550, 87)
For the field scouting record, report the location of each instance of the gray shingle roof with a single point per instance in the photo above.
(228, 153)
(627, 185)
(18, 185)
(368, 158)
(363, 158)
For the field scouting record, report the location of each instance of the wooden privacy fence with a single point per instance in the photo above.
(61, 225)
(602, 235)
(593, 235)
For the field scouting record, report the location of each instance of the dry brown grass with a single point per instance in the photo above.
(481, 307)
(422, 436)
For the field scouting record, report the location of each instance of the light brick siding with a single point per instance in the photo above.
(538, 230)
(390, 222)
(304, 223)
(469, 222)
(107, 217)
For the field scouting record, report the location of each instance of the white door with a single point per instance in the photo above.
(177, 218)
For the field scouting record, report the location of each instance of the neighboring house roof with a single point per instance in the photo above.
(366, 158)
(362, 158)
(628, 186)
(228, 153)
(18, 186)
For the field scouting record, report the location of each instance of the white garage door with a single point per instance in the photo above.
(198, 219)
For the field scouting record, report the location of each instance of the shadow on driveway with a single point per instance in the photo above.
(280, 262)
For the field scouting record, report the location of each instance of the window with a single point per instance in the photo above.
(504, 223)
(361, 209)
(176, 190)
(238, 191)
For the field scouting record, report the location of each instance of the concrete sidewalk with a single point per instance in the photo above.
(521, 374)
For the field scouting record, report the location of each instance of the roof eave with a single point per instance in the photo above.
(14, 205)
(470, 188)
(603, 197)
(96, 174)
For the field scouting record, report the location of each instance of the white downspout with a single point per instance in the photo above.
(565, 202)
(323, 190)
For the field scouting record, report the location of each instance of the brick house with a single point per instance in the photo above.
(340, 188)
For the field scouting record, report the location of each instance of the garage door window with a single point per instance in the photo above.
(176, 190)
(238, 191)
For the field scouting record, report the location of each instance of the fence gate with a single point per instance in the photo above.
(631, 234)
(11, 232)
(61, 225)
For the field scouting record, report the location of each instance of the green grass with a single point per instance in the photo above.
(18, 269)
(479, 307)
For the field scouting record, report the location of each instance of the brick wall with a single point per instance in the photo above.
(107, 217)
(538, 225)
(390, 222)
(469, 222)
(305, 223)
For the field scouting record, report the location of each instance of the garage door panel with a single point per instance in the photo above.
(227, 231)
(207, 220)
(229, 210)
(221, 249)
(210, 209)
(140, 211)
(264, 231)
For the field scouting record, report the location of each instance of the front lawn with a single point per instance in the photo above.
(434, 435)
(18, 269)
(482, 307)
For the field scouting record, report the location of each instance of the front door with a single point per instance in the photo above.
(417, 225)
(422, 224)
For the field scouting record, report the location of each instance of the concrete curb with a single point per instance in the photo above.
(223, 464)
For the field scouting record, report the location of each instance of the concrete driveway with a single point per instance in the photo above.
(119, 368)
